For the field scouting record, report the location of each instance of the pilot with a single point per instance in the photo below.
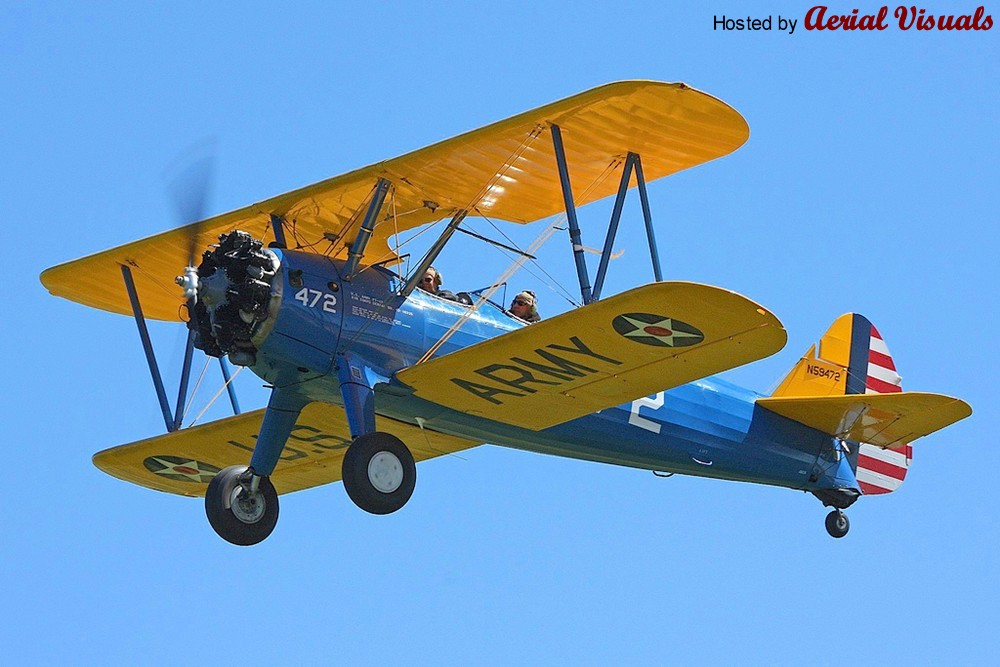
(525, 306)
(431, 283)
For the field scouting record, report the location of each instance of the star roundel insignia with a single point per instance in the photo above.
(658, 330)
(181, 469)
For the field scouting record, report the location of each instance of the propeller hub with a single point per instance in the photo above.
(188, 282)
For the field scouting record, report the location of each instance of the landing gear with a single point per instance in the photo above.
(379, 473)
(837, 524)
(242, 508)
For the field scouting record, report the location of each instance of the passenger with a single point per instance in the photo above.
(431, 283)
(525, 306)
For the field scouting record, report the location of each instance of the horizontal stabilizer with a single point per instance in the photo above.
(606, 353)
(184, 462)
(884, 420)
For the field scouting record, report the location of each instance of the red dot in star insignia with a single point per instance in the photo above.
(184, 470)
(657, 331)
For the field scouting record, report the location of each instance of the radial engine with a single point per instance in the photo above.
(235, 298)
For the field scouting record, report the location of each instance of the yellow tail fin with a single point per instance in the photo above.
(852, 359)
(835, 388)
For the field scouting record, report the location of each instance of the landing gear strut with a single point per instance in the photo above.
(837, 524)
(379, 473)
(242, 507)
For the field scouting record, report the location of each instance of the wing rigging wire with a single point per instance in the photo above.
(513, 268)
(400, 245)
(515, 155)
(333, 238)
(487, 187)
(216, 396)
(554, 285)
(394, 251)
(133, 265)
(298, 238)
(385, 305)
(338, 237)
(194, 391)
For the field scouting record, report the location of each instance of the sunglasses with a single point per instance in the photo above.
(427, 279)
(521, 302)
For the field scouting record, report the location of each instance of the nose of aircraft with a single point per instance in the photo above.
(235, 298)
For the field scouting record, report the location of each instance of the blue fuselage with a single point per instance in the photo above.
(709, 428)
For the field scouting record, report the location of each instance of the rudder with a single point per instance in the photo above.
(852, 358)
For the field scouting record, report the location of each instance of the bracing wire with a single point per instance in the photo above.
(190, 401)
(487, 187)
(217, 394)
(170, 289)
(550, 281)
(338, 237)
(513, 268)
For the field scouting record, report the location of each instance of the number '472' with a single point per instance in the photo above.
(313, 298)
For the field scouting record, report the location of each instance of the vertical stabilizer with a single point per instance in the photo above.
(852, 358)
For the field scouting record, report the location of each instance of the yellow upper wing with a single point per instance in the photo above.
(883, 420)
(606, 353)
(184, 462)
(505, 170)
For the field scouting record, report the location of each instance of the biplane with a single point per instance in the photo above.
(369, 374)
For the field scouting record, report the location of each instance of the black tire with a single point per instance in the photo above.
(258, 516)
(391, 466)
(837, 524)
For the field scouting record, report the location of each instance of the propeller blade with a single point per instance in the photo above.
(190, 185)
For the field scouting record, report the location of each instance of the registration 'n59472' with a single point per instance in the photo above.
(819, 371)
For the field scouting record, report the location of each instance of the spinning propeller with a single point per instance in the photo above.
(190, 189)
(227, 289)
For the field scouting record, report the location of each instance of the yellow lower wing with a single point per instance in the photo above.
(611, 351)
(184, 462)
(883, 420)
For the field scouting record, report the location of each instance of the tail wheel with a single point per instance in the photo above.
(837, 524)
(379, 473)
(238, 514)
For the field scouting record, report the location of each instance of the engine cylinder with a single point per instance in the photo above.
(236, 296)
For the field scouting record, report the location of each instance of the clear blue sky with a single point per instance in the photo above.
(869, 184)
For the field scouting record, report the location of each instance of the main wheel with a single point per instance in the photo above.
(379, 473)
(837, 524)
(238, 516)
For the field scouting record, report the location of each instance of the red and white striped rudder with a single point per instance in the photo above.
(852, 358)
(879, 470)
